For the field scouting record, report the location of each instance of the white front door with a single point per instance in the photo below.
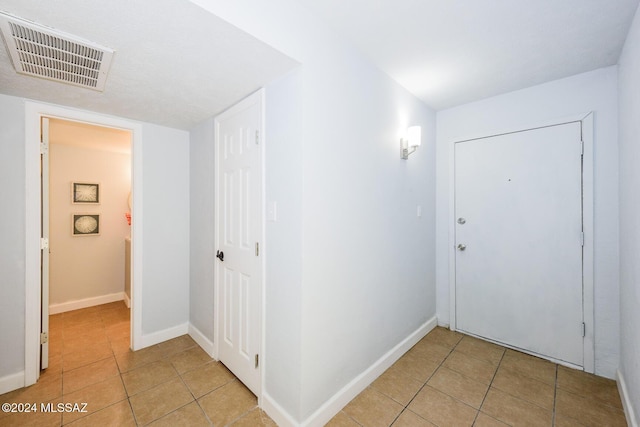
(518, 236)
(238, 238)
(44, 245)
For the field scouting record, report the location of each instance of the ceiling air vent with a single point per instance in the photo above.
(39, 51)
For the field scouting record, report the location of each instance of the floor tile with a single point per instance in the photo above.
(587, 411)
(33, 419)
(117, 415)
(417, 367)
(514, 411)
(600, 389)
(441, 409)
(90, 374)
(207, 378)
(531, 366)
(159, 401)
(189, 359)
(411, 419)
(524, 387)
(458, 386)
(148, 376)
(176, 345)
(480, 349)
(96, 396)
(476, 369)
(120, 345)
(443, 337)
(189, 415)
(484, 420)
(342, 420)
(86, 356)
(372, 408)
(256, 417)
(562, 421)
(398, 385)
(228, 403)
(430, 350)
(134, 359)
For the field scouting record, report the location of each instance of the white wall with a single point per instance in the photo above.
(360, 279)
(593, 91)
(87, 266)
(165, 222)
(283, 286)
(201, 178)
(629, 110)
(12, 223)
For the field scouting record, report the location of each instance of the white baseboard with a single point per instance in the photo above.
(339, 400)
(11, 382)
(84, 303)
(202, 340)
(161, 336)
(276, 412)
(127, 300)
(629, 410)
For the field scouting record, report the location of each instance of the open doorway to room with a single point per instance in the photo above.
(86, 213)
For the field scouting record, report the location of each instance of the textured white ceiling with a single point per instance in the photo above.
(450, 52)
(177, 65)
(174, 65)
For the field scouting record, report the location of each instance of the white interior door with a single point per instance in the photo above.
(44, 246)
(238, 236)
(518, 264)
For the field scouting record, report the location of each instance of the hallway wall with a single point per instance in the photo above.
(87, 267)
(628, 92)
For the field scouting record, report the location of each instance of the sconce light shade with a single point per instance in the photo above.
(412, 141)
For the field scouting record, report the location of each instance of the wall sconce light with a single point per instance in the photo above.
(411, 142)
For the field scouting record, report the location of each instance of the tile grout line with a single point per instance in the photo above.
(504, 352)
(406, 407)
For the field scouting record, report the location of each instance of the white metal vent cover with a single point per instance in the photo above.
(39, 51)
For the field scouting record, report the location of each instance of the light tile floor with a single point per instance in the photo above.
(447, 379)
(174, 383)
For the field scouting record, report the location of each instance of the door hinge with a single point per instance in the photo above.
(257, 249)
(44, 338)
(257, 361)
(43, 148)
(44, 243)
(584, 330)
(581, 147)
(257, 137)
(582, 238)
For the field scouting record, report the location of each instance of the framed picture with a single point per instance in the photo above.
(85, 224)
(85, 193)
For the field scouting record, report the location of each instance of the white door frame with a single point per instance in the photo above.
(586, 121)
(34, 111)
(263, 252)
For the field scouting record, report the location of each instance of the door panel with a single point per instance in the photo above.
(519, 275)
(239, 225)
(44, 278)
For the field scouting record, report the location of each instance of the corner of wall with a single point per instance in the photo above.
(629, 410)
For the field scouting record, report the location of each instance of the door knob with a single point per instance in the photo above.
(220, 255)
(461, 220)
(462, 247)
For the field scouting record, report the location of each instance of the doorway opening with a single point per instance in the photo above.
(86, 212)
(36, 257)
